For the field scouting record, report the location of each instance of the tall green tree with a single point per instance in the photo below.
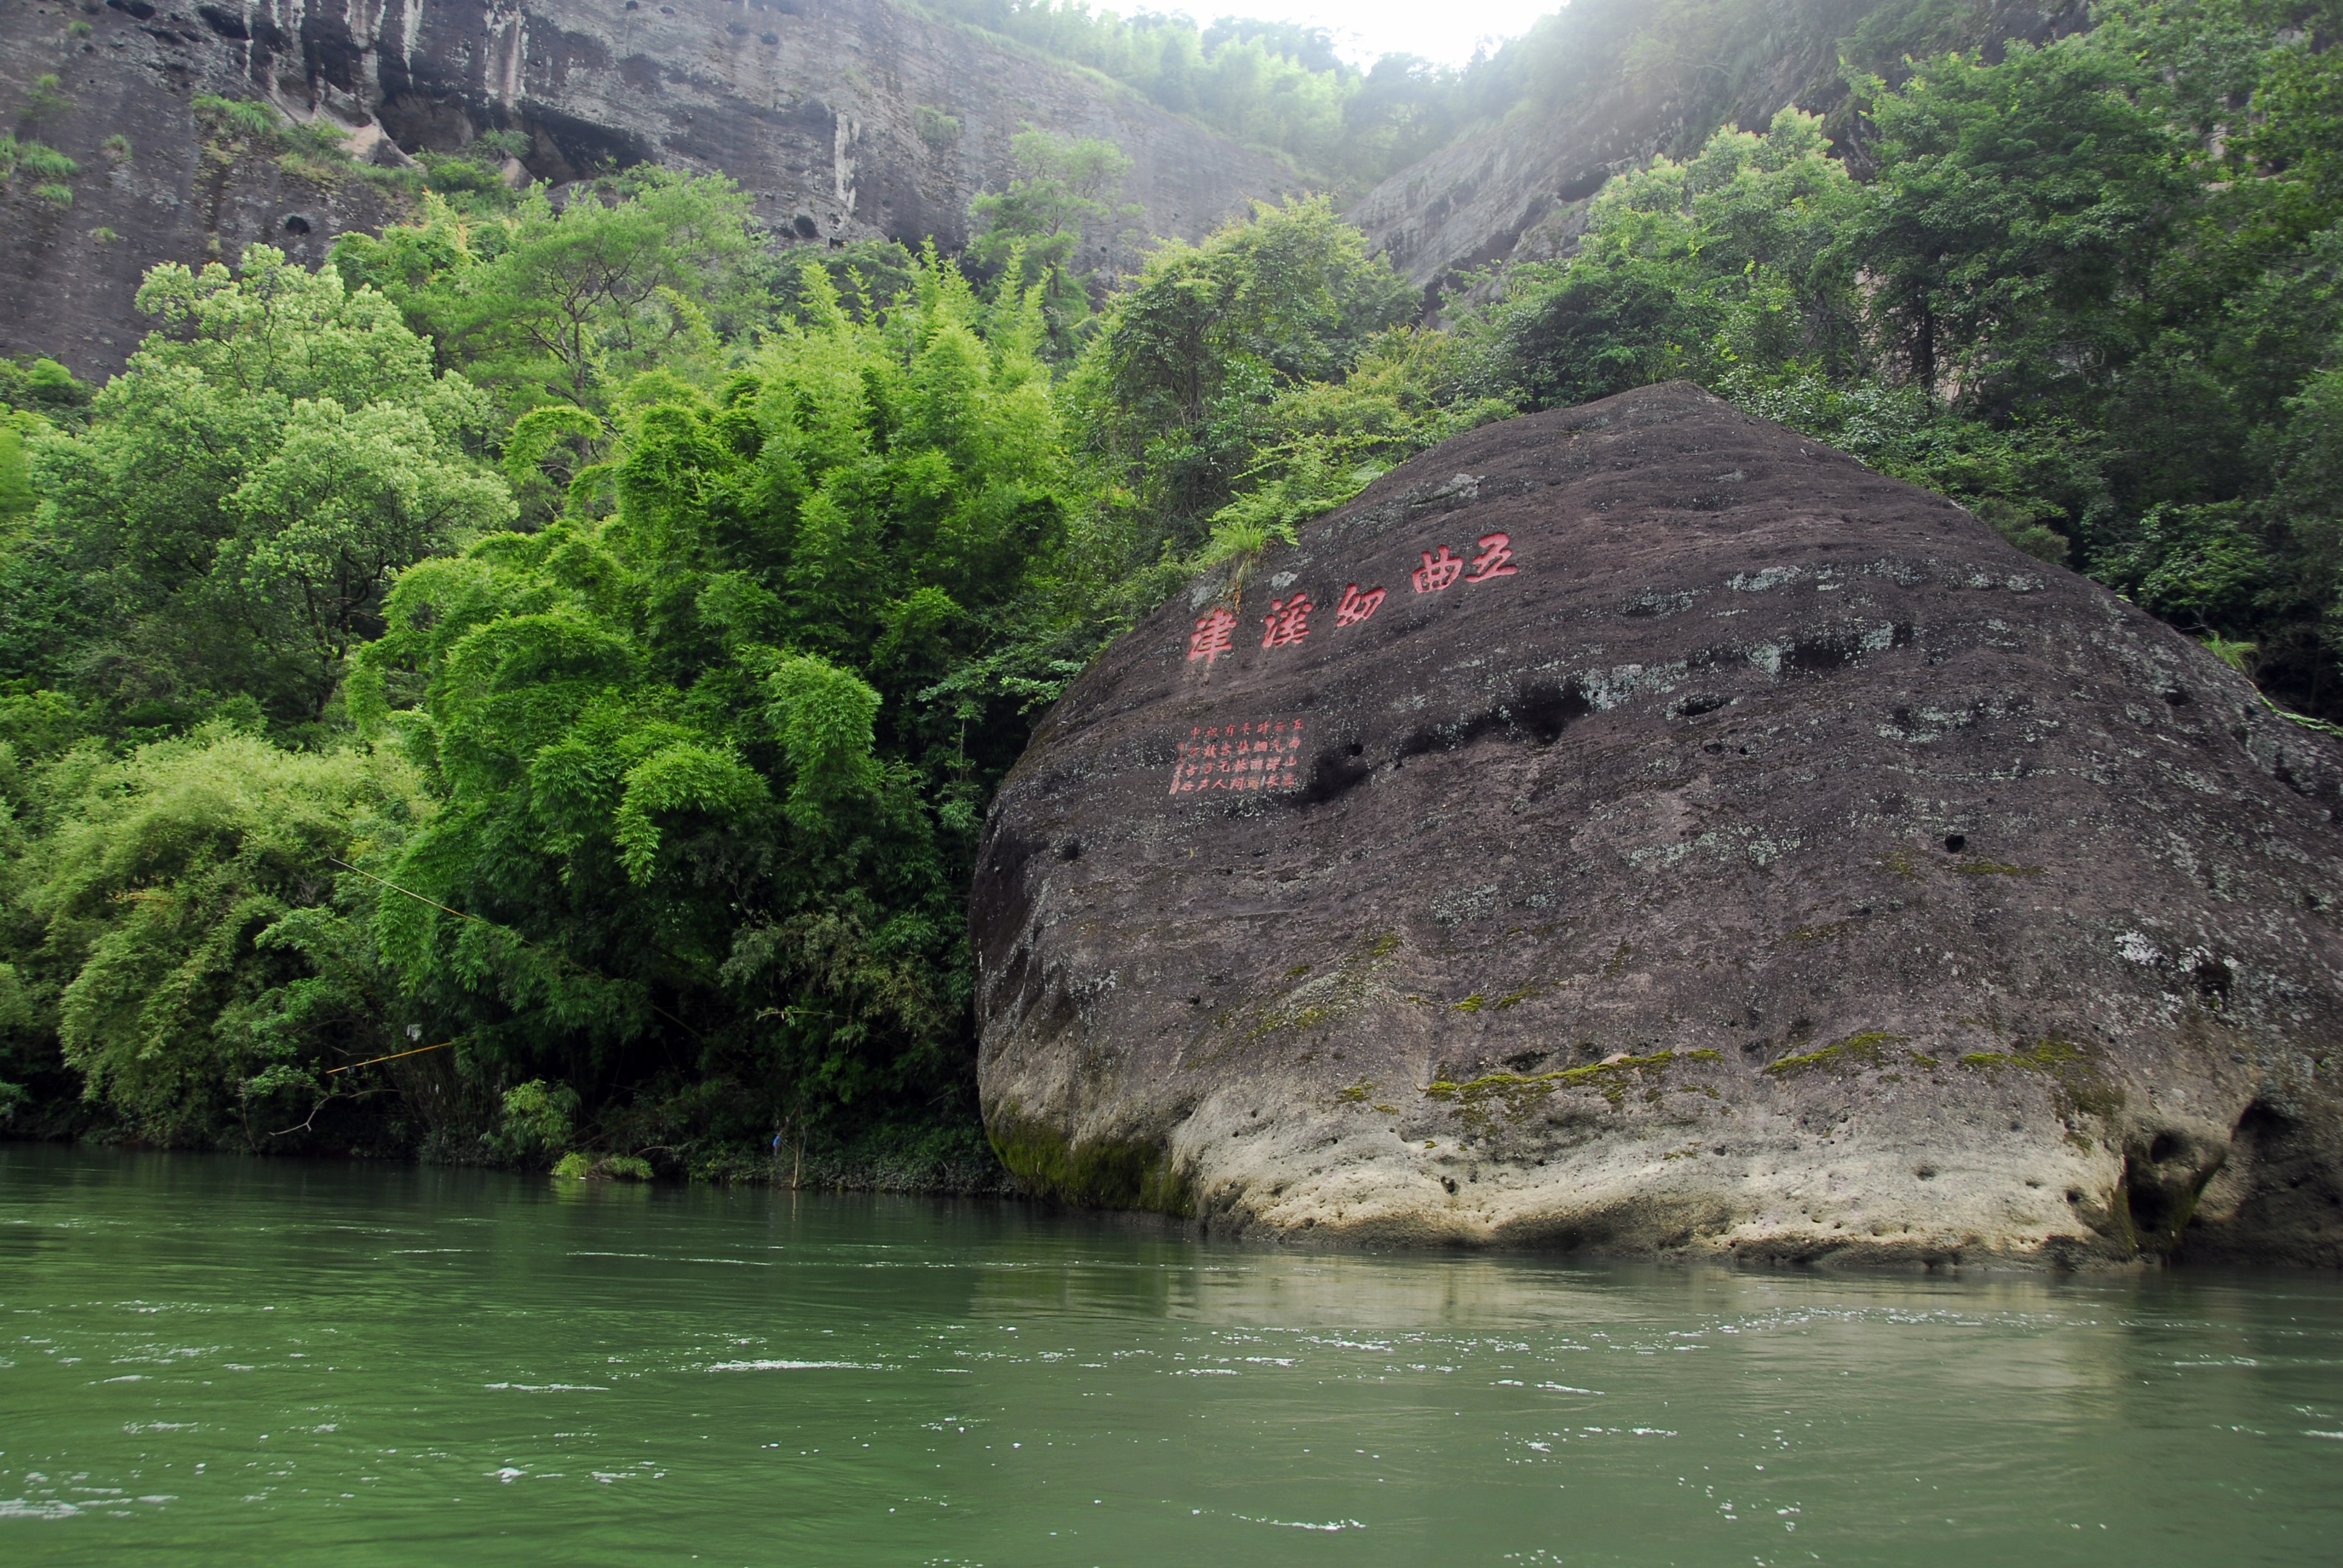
(1173, 394)
(561, 303)
(278, 449)
(1027, 236)
(709, 795)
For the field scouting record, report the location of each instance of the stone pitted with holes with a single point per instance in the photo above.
(1643, 828)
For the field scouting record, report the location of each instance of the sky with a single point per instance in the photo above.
(1366, 29)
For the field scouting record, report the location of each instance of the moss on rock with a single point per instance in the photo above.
(1101, 1172)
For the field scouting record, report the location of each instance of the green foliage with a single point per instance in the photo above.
(940, 130)
(1026, 235)
(178, 923)
(45, 101)
(706, 812)
(48, 169)
(561, 305)
(1275, 84)
(579, 1166)
(1179, 388)
(229, 520)
(538, 1118)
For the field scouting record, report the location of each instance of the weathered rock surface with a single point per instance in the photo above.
(1774, 864)
(816, 106)
(1518, 191)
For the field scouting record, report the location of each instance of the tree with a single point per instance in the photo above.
(278, 449)
(1027, 236)
(561, 303)
(2018, 216)
(710, 794)
(1173, 390)
(181, 926)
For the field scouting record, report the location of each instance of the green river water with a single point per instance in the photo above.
(206, 1360)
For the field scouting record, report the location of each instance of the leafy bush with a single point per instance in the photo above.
(701, 782)
(230, 518)
(181, 921)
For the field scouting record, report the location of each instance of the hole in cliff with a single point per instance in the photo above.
(1955, 842)
(1354, 749)
(1545, 711)
(1070, 849)
(2259, 1125)
(225, 23)
(295, 224)
(2212, 979)
(1819, 657)
(2153, 1210)
(1333, 774)
(566, 147)
(2074, 1194)
(1924, 1172)
(1714, 748)
(1448, 1183)
(2177, 697)
(2311, 902)
(138, 8)
(2163, 1149)
(1693, 707)
(805, 226)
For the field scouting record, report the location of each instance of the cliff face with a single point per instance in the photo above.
(1518, 191)
(1642, 827)
(845, 118)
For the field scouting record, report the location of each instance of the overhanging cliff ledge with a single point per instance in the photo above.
(845, 119)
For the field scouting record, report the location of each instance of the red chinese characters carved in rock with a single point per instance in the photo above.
(1213, 637)
(1441, 570)
(1437, 571)
(1495, 559)
(1356, 606)
(1288, 621)
(1259, 754)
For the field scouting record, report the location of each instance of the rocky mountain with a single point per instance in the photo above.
(846, 118)
(1642, 827)
(1518, 190)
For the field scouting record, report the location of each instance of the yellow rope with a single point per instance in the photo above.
(394, 1056)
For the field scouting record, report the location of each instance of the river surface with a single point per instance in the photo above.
(207, 1360)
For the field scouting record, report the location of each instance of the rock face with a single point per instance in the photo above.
(846, 118)
(1518, 192)
(1663, 834)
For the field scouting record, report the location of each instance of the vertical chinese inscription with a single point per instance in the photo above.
(1251, 753)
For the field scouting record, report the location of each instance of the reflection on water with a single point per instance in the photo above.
(212, 1360)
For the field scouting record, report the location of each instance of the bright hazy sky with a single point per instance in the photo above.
(1443, 30)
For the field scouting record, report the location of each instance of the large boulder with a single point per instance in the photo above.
(1663, 833)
